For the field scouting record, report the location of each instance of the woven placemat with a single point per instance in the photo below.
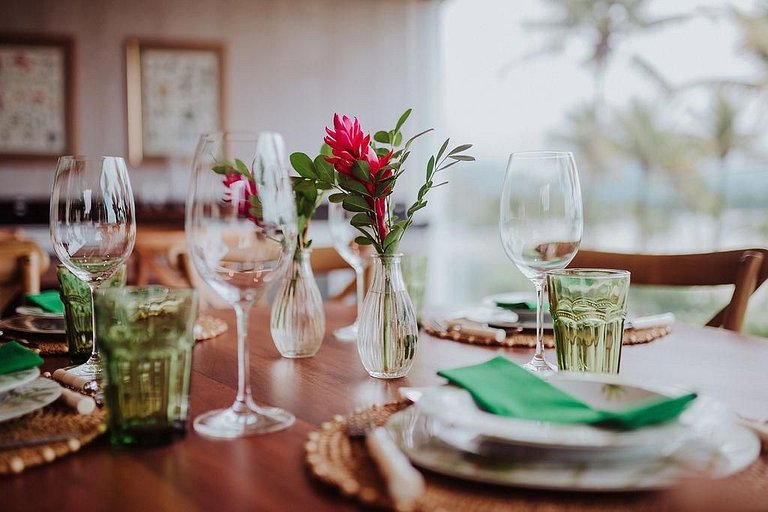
(527, 339)
(206, 327)
(344, 464)
(53, 420)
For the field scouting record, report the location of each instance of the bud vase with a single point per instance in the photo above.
(298, 318)
(388, 333)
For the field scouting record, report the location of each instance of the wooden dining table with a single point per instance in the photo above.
(268, 472)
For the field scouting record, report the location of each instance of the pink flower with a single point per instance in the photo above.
(349, 144)
(240, 190)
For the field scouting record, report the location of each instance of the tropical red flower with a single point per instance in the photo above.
(240, 190)
(350, 144)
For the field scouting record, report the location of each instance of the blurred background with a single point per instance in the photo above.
(663, 104)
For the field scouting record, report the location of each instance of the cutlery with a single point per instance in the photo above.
(405, 484)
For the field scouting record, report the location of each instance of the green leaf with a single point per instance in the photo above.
(397, 139)
(382, 151)
(352, 185)
(430, 168)
(361, 219)
(459, 149)
(326, 150)
(337, 198)
(390, 241)
(363, 240)
(442, 149)
(462, 158)
(323, 169)
(242, 168)
(416, 207)
(355, 204)
(303, 165)
(381, 136)
(221, 168)
(402, 120)
(362, 171)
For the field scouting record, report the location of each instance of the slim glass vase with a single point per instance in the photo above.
(388, 332)
(298, 318)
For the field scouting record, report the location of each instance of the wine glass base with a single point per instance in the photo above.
(231, 424)
(348, 333)
(540, 366)
(88, 370)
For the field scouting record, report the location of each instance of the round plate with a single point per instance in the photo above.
(13, 380)
(715, 451)
(28, 398)
(33, 324)
(35, 311)
(526, 316)
(454, 407)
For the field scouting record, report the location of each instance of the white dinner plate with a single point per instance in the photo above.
(33, 324)
(715, 452)
(28, 398)
(527, 317)
(37, 311)
(455, 408)
(13, 380)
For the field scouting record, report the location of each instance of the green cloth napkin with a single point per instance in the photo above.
(518, 305)
(14, 358)
(501, 387)
(48, 300)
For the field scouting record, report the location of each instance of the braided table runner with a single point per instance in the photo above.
(344, 464)
(527, 339)
(53, 420)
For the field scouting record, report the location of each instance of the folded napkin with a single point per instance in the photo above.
(516, 305)
(501, 387)
(14, 358)
(48, 300)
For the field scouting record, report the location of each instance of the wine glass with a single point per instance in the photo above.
(541, 223)
(241, 234)
(343, 235)
(92, 226)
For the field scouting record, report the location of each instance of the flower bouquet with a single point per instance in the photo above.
(364, 172)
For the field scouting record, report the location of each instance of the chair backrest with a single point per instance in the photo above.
(745, 269)
(22, 263)
(155, 256)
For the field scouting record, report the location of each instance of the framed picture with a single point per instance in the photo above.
(175, 93)
(36, 96)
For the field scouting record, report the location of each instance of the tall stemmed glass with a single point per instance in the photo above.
(92, 226)
(541, 223)
(241, 233)
(343, 235)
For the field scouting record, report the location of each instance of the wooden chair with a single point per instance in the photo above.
(22, 263)
(745, 269)
(155, 256)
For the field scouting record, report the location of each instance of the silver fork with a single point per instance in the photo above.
(405, 484)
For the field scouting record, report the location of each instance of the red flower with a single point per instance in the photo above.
(240, 190)
(349, 144)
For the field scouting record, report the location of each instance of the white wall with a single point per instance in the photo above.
(291, 65)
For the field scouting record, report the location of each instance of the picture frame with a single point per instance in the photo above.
(37, 91)
(175, 92)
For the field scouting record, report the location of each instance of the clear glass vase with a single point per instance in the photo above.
(388, 333)
(298, 318)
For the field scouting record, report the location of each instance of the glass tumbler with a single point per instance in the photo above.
(146, 337)
(76, 297)
(588, 308)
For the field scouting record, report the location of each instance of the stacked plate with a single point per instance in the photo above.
(25, 391)
(31, 320)
(447, 433)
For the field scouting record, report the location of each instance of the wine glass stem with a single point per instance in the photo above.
(243, 398)
(360, 281)
(94, 359)
(539, 284)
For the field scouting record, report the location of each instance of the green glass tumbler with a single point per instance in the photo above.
(145, 338)
(76, 297)
(588, 308)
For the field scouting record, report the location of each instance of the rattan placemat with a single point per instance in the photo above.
(344, 464)
(51, 421)
(527, 339)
